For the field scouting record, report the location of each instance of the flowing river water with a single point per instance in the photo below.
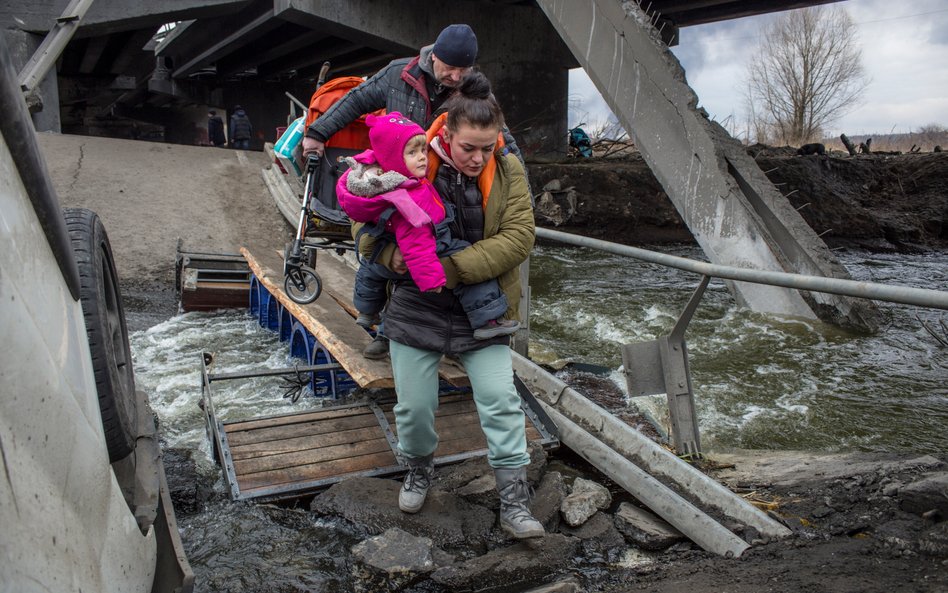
(759, 381)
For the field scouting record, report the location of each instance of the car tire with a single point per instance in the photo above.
(106, 330)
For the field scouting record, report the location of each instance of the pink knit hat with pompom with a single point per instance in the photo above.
(389, 134)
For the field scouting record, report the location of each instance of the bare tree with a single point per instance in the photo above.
(806, 73)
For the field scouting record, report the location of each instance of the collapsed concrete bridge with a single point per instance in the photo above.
(119, 67)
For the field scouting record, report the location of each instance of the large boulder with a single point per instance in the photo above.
(394, 560)
(599, 537)
(373, 504)
(928, 494)
(547, 499)
(526, 563)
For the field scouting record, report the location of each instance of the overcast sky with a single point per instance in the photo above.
(904, 50)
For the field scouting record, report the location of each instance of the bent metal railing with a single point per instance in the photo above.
(661, 366)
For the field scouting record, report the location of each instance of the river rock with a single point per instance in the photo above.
(645, 530)
(599, 535)
(372, 503)
(481, 491)
(584, 500)
(474, 480)
(524, 564)
(189, 490)
(929, 493)
(394, 560)
(547, 499)
(934, 541)
(570, 585)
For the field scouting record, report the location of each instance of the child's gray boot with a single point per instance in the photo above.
(515, 517)
(417, 481)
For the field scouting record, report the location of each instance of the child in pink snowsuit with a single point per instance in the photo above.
(388, 185)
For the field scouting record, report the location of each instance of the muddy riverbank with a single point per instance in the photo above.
(879, 202)
(860, 522)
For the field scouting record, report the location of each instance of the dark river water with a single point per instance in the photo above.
(759, 382)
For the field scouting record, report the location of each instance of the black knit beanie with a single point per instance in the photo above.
(456, 46)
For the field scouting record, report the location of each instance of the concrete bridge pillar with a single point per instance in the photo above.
(737, 216)
(44, 102)
(523, 57)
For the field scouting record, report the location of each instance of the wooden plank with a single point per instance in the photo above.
(315, 471)
(325, 319)
(224, 286)
(298, 418)
(290, 431)
(387, 405)
(330, 324)
(305, 442)
(311, 456)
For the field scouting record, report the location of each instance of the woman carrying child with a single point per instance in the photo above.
(487, 189)
(388, 186)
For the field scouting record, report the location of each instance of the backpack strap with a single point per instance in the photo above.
(376, 230)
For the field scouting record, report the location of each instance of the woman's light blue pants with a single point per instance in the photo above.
(498, 404)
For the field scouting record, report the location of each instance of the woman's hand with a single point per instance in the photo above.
(398, 262)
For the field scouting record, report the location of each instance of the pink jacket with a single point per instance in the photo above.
(418, 208)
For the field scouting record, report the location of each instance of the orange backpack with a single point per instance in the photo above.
(353, 136)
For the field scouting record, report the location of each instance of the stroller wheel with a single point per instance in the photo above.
(302, 285)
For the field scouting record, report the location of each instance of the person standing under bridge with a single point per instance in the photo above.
(215, 129)
(241, 130)
(415, 87)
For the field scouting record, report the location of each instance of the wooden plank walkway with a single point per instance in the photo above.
(299, 453)
(331, 320)
(290, 455)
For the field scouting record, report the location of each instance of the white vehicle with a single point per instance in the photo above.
(83, 500)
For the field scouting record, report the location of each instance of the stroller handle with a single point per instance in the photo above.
(312, 163)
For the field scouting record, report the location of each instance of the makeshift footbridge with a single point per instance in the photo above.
(291, 455)
(354, 433)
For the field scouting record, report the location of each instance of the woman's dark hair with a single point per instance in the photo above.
(474, 104)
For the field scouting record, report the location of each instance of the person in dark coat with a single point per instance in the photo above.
(241, 131)
(215, 129)
(415, 87)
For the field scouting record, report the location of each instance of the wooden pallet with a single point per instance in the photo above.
(295, 454)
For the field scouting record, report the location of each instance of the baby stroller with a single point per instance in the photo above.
(322, 223)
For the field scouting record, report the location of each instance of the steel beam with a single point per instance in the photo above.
(588, 419)
(48, 52)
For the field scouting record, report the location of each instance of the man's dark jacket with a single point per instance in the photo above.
(404, 85)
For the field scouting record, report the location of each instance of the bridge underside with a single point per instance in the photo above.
(117, 74)
(223, 52)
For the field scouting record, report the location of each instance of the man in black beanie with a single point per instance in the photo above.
(415, 87)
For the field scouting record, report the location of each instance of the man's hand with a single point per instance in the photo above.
(398, 262)
(311, 145)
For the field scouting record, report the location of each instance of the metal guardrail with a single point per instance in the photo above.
(906, 295)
